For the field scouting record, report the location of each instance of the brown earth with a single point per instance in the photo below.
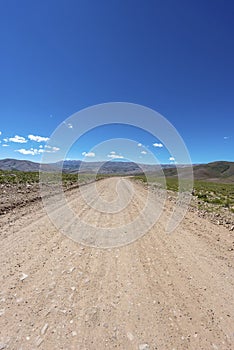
(160, 292)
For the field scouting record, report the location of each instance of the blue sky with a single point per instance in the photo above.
(58, 57)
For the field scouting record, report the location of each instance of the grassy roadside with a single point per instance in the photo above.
(216, 194)
(22, 177)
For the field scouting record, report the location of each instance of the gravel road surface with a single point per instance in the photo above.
(163, 291)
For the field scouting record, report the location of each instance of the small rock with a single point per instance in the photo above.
(74, 333)
(73, 288)
(2, 312)
(70, 296)
(144, 347)
(23, 276)
(130, 336)
(71, 269)
(39, 341)
(63, 311)
(44, 329)
(2, 346)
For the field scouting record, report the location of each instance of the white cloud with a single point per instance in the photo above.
(38, 138)
(0, 133)
(226, 137)
(5, 139)
(51, 148)
(113, 152)
(4, 145)
(139, 144)
(143, 152)
(88, 154)
(115, 156)
(172, 158)
(25, 151)
(17, 139)
(40, 146)
(35, 151)
(160, 145)
(69, 125)
(55, 149)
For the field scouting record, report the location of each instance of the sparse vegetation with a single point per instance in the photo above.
(218, 194)
(22, 177)
(18, 177)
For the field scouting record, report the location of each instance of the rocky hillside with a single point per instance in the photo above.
(216, 171)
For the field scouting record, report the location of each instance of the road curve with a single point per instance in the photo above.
(159, 292)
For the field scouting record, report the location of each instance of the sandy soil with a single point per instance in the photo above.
(160, 292)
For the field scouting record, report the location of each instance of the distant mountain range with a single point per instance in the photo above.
(74, 166)
(220, 171)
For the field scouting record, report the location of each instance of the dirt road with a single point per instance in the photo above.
(160, 292)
